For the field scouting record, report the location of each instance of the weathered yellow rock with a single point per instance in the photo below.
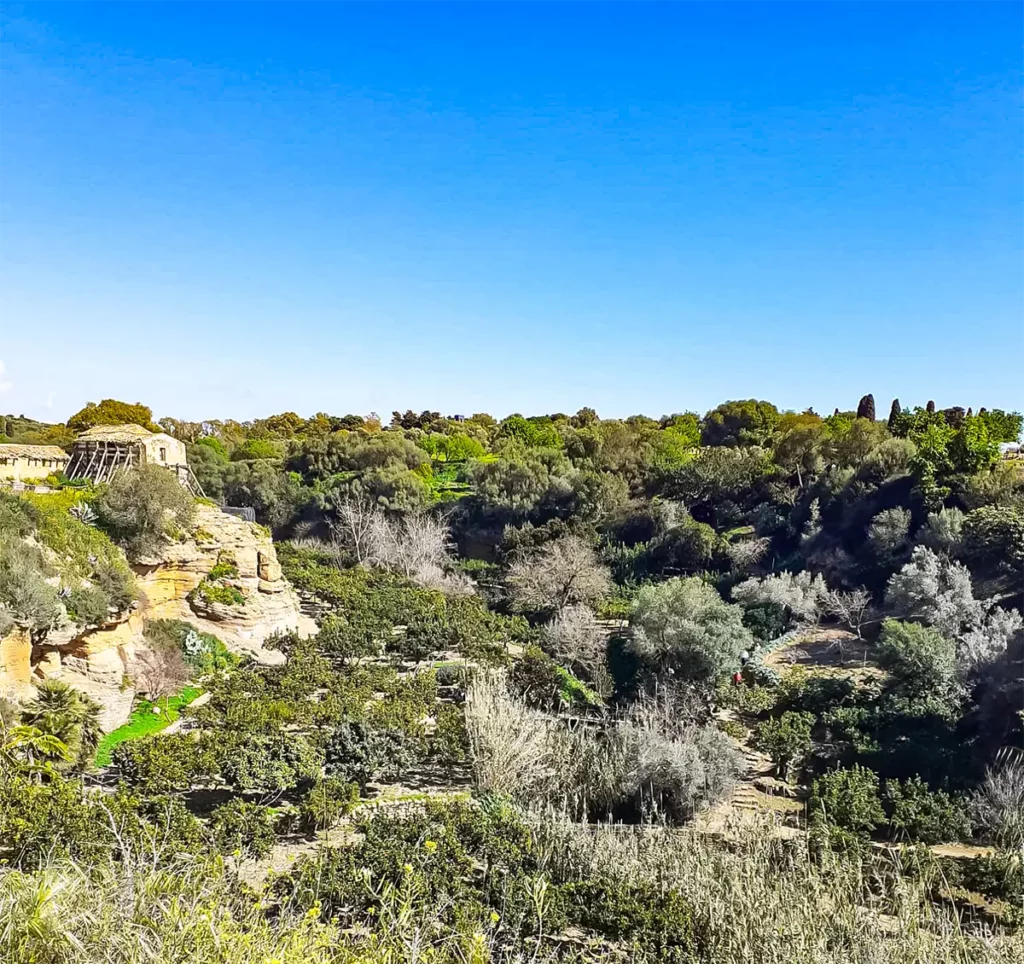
(48, 666)
(15, 660)
(164, 582)
(269, 568)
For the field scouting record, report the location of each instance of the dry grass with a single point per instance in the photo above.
(755, 900)
(651, 759)
(763, 900)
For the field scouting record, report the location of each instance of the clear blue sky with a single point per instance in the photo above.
(234, 210)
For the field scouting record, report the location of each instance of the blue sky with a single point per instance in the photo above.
(234, 210)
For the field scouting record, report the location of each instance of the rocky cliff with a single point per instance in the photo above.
(264, 603)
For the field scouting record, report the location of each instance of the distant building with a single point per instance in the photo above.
(21, 462)
(1010, 450)
(101, 452)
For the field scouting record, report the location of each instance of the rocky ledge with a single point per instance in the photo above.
(166, 584)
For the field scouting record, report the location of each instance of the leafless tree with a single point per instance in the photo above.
(417, 546)
(160, 672)
(352, 530)
(851, 608)
(748, 551)
(407, 545)
(561, 573)
(800, 593)
(578, 641)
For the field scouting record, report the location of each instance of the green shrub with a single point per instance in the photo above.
(204, 652)
(244, 828)
(17, 517)
(367, 604)
(919, 658)
(734, 729)
(541, 682)
(751, 699)
(162, 764)
(648, 917)
(327, 802)
(453, 855)
(88, 606)
(211, 592)
(339, 638)
(450, 742)
(917, 813)
(224, 568)
(615, 607)
(40, 822)
(999, 876)
(767, 621)
(268, 764)
(786, 738)
(361, 753)
(81, 550)
(815, 694)
(24, 591)
(138, 506)
(847, 800)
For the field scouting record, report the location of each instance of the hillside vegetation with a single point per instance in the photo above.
(743, 687)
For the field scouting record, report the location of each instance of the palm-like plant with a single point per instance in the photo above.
(67, 714)
(27, 749)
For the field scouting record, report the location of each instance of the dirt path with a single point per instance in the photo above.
(748, 802)
(758, 792)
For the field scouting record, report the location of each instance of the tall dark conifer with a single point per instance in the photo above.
(930, 407)
(894, 413)
(866, 407)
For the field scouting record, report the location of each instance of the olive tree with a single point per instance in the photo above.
(140, 506)
(939, 593)
(683, 628)
(802, 594)
(943, 531)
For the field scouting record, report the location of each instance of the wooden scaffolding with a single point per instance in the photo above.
(100, 460)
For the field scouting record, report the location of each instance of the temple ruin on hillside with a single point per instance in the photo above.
(101, 452)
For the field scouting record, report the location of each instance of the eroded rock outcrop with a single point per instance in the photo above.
(16, 663)
(166, 584)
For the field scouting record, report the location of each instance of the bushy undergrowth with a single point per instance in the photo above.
(367, 604)
(649, 762)
(43, 541)
(479, 884)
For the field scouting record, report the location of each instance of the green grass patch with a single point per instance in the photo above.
(144, 722)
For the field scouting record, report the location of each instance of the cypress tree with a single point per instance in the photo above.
(866, 407)
(930, 407)
(894, 413)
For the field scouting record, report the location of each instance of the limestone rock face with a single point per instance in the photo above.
(16, 664)
(101, 654)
